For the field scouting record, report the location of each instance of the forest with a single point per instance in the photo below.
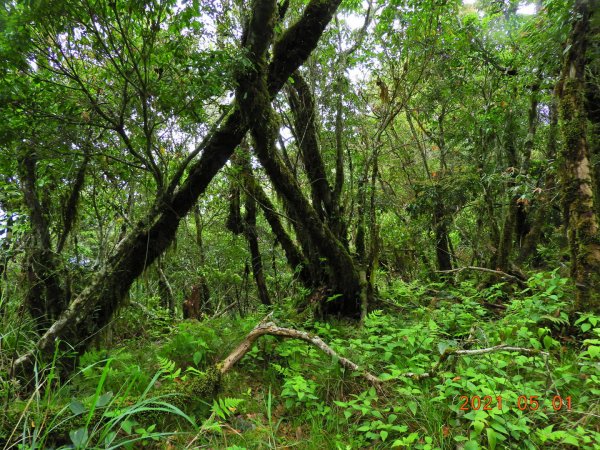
(311, 224)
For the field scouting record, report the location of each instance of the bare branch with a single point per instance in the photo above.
(510, 277)
(270, 328)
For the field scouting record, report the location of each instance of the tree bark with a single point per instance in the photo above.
(294, 256)
(592, 103)
(167, 298)
(257, 111)
(46, 299)
(94, 306)
(243, 162)
(202, 284)
(303, 109)
(515, 220)
(544, 203)
(576, 179)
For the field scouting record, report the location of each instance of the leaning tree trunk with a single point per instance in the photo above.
(581, 219)
(93, 308)
(257, 111)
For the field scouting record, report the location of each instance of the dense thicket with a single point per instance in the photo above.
(207, 158)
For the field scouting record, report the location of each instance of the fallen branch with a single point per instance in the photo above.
(483, 351)
(479, 351)
(270, 328)
(508, 276)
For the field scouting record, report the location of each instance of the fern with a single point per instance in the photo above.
(225, 407)
(286, 372)
(167, 367)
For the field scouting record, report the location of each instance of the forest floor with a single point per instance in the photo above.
(540, 391)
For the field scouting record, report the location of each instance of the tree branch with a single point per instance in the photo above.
(270, 328)
(510, 277)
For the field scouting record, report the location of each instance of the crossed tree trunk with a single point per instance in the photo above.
(92, 309)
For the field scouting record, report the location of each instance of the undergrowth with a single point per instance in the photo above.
(155, 390)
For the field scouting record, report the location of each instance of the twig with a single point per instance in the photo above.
(517, 280)
(223, 311)
(479, 351)
(483, 351)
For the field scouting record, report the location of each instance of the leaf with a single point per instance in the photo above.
(413, 407)
(332, 298)
(77, 407)
(442, 346)
(197, 357)
(79, 437)
(593, 351)
(498, 427)
(478, 426)
(383, 434)
(492, 438)
(110, 437)
(471, 445)
(104, 399)
(572, 440)
(127, 426)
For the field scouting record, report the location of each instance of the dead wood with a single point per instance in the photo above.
(500, 273)
(270, 328)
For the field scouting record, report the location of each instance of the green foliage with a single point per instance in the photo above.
(434, 127)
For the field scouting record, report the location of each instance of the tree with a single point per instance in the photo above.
(576, 173)
(96, 304)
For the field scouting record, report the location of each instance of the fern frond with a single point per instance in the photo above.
(225, 407)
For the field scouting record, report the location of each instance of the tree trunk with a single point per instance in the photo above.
(544, 203)
(252, 238)
(202, 283)
(257, 111)
(577, 188)
(167, 299)
(94, 306)
(515, 220)
(592, 103)
(46, 299)
(442, 243)
(294, 256)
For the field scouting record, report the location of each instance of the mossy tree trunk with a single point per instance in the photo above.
(543, 204)
(94, 307)
(46, 298)
(256, 109)
(576, 172)
(592, 103)
(242, 160)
